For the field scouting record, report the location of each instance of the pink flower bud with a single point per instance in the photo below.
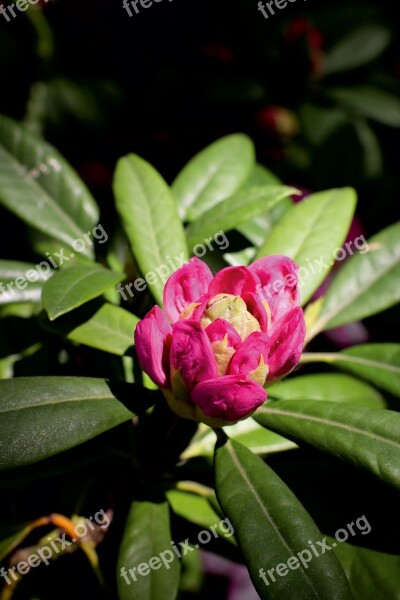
(224, 338)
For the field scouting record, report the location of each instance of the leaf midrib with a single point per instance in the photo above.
(360, 291)
(329, 423)
(266, 512)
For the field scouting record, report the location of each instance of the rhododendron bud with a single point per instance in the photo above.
(221, 339)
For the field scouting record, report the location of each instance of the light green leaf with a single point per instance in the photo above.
(110, 328)
(43, 416)
(150, 219)
(367, 284)
(232, 211)
(39, 186)
(366, 437)
(75, 285)
(310, 233)
(192, 507)
(252, 497)
(369, 102)
(14, 285)
(247, 432)
(377, 363)
(328, 386)
(259, 176)
(258, 228)
(358, 48)
(213, 174)
(371, 574)
(147, 537)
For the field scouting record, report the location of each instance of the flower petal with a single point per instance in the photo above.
(219, 329)
(278, 275)
(191, 352)
(257, 309)
(286, 344)
(189, 283)
(151, 342)
(230, 398)
(233, 280)
(247, 358)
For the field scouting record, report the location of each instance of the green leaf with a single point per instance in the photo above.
(259, 176)
(43, 416)
(377, 363)
(367, 284)
(358, 48)
(371, 574)
(39, 186)
(147, 537)
(332, 386)
(252, 496)
(258, 228)
(213, 174)
(192, 507)
(75, 285)
(369, 141)
(150, 219)
(14, 285)
(109, 328)
(310, 232)
(369, 102)
(236, 209)
(366, 437)
(247, 432)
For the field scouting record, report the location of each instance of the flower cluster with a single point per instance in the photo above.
(220, 338)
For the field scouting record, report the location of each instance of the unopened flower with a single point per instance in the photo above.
(221, 339)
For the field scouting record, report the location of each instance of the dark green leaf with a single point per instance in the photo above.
(369, 102)
(147, 537)
(367, 284)
(366, 437)
(39, 186)
(43, 416)
(358, 48)
(150, 219)
(271, 527)
(328, 386)
(75, 285)
(372, 575)
(378, 363)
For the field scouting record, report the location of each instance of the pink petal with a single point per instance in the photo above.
(286, 344)
(230, 398)
(189, 283)
(151, 343)
(219, 328)
(256, 308)
(192, 352)
(247, 358)
(279, 283)
(233, 280)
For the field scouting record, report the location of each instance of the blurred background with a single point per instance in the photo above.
(316, 86)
